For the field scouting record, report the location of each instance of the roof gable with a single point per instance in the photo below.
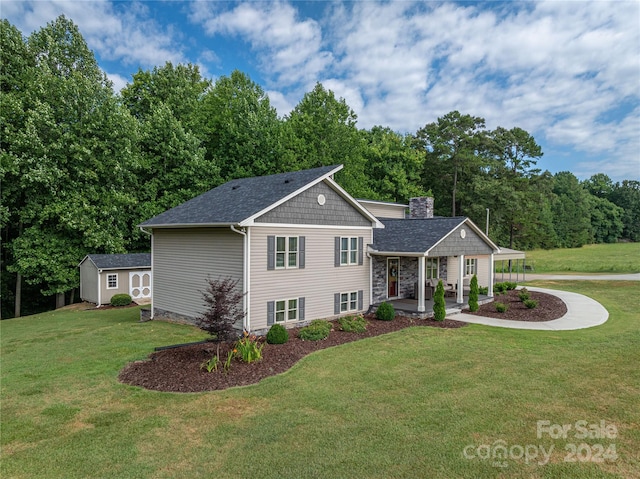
(238, 200)
(120, 261)
(430, 237)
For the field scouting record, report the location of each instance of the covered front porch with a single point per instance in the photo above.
(409, 307)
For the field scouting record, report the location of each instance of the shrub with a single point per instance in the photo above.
(277, 334)
(248, 348)
(500, 287)
(473, 294)
(224, 309)
(353, 324)
(523, 294)
(484, 290)
(317, 330)
(439, 310)
(501, 307)
(385, 312)
(122, 299)
(511, 285)
(530, 303)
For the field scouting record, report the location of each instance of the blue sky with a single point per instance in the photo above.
(568, 72)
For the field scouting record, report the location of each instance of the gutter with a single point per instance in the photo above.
(245, 275)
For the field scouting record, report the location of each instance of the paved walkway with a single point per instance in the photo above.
(582, 277)
(582, 312)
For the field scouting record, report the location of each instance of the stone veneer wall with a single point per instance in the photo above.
(443, 269)
(379, 286)
(421, 207)
(408, 277)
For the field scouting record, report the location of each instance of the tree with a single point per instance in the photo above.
(393, 166)
(321, 131)
(71, 163)
(570, 207)
(439, 310)
(180, 89)
(239, 128)
(606, 220)
(473, 294)
(454, 146)
(626, 195)
(224, 309)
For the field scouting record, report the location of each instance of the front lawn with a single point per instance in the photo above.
(594, 258)
(421, 402)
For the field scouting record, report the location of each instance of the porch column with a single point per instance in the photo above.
(421, 270)
(460, 291)
(491, 272)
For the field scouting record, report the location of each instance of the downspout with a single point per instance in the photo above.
(153, 293)
(99, 287)
(245, 276)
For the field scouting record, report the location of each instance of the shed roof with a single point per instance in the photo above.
(121, 261)
(238, 200)
(418, 235)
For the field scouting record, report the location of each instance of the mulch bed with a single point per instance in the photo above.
(549, 307)
(178, 369)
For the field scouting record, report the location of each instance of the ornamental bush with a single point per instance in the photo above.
(511, 285)
(501, 307)
(523, 294)
(353, 324)
(318, 329)
(385, 312)
(500, 287)
(473, 294)
(121, 299)
(439, 310)
(530, 303)
(277, 334)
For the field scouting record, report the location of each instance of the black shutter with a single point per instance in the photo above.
(336, 303)
(301, 252)
(337, 252)
(301, 309)
(271, 312)
(360, 251)
(360, 299)
(271, 252)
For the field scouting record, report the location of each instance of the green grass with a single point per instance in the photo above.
(400, 405)
(596, 258)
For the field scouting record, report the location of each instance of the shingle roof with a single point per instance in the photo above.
(121, 261)
(413, 235)
(239, 199)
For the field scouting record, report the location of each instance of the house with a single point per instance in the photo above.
(103, 275)
(302, 248)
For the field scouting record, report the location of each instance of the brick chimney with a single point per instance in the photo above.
(421, 207)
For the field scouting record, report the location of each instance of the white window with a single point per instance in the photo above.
(348, 301)
(348, 251)
(112, 281)
(432, 268)
(286, 252)
(286, 310)
(471, 266)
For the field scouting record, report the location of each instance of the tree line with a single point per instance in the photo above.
(81, 165)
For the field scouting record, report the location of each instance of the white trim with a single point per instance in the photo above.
(247, 278)
(249, 220)
(348, 293)
(349, 251)
(396, 258)
(286, 310)
(421, 283)
(287, 252)
(445, 236)
(300, 225)
(384, 203)
(354, 203)
(491, 273)
(460, 288)
(117, 280)
(99, 288)
(245, 266)
(152, 290)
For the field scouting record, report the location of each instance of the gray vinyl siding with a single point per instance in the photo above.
(317, 282)
(381, 210)
(88, 281)
(454, 245)
(305, 209)
(182, 260)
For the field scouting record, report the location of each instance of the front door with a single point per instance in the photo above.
(140, 284)
(393, 273)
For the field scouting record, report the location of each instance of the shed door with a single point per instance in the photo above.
(140, 284)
